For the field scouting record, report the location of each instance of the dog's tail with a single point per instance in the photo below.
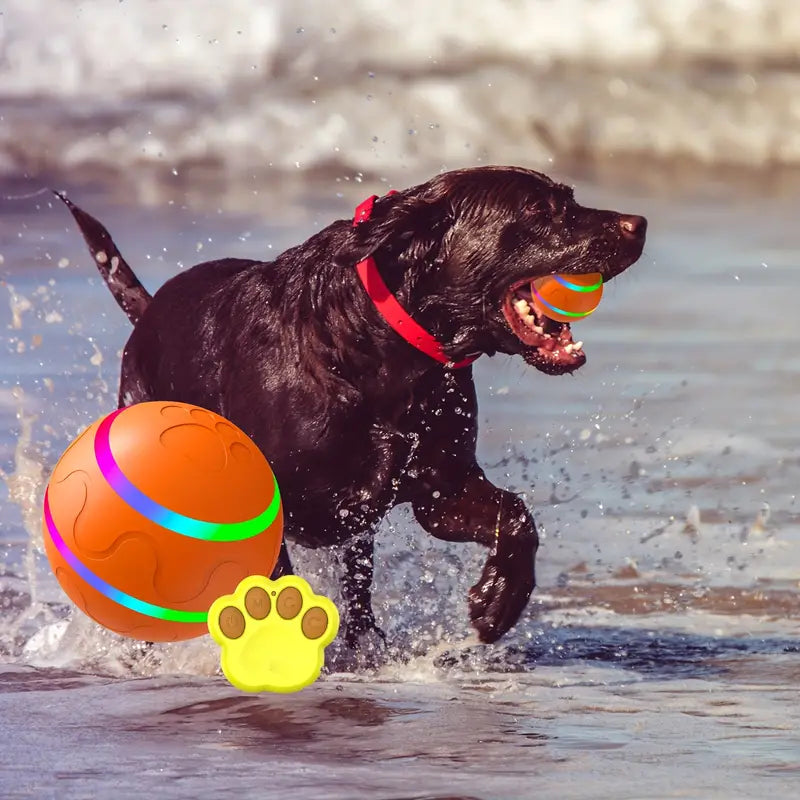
(128, 291)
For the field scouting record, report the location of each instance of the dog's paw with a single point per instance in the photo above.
(498, 598)
(272, 633)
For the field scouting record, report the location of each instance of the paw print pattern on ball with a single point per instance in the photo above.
(272, 633)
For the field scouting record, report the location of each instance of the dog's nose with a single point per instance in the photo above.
(632, 227)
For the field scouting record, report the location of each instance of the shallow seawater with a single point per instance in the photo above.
(659, 655)
(299, 85)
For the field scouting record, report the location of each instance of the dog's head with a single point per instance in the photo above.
(460, 253)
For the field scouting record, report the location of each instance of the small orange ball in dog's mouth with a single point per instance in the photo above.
(567, 298)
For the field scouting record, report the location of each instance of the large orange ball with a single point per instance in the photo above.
(154, 512)
(568, 298)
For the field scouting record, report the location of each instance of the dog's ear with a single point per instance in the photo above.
(408, 226)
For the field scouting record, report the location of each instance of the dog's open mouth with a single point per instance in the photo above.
(548, 344)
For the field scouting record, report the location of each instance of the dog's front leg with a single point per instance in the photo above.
(361, 630)
(480, 512)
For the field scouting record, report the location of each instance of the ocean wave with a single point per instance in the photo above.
(387, 88)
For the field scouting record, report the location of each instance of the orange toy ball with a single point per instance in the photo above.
(154, 512)
(567, 298)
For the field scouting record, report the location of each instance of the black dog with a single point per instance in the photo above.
(301, 354)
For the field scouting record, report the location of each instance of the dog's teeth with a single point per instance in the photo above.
(522, 307)
(569, 348)
(530, 322)
(538, 328)
(578, 345)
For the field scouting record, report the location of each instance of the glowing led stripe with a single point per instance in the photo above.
(561, 310)
(172, 520)
(118, 596)
(578, 287)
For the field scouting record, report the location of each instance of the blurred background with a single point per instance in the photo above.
(151, 94)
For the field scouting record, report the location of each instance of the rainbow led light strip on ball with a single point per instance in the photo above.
(160, 515)
(172, 520)
(118, 596)
(574, 287)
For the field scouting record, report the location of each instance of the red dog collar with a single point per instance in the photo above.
(390, 309)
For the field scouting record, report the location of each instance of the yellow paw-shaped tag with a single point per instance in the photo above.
(272, 633)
